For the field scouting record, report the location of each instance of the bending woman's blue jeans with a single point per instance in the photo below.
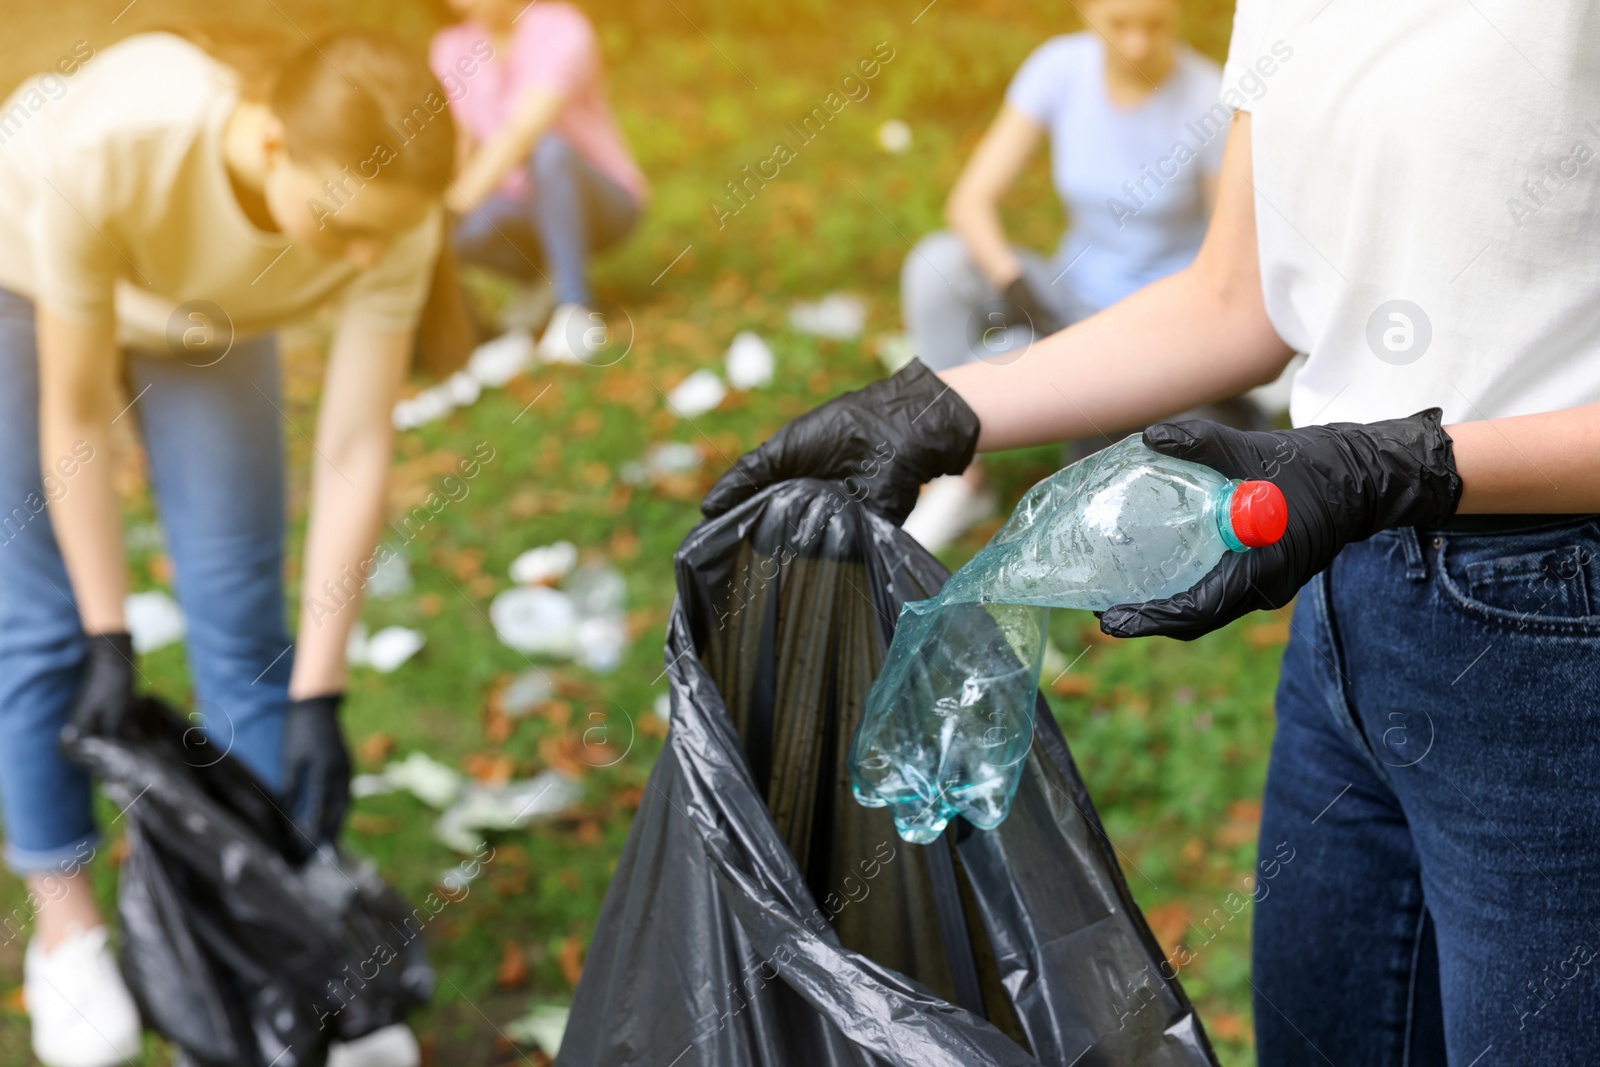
(214, 444)
(573, 211)
(1436, 772)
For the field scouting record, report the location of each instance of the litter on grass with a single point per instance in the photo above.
(526, 693)
(749, 362)
(384, 651)
(894, 350)
(491, 365)
(583, 622)
(894, 137)
(661, 460)
(545, 564)
(544, 1026)
(420, 775)
(484, 808)
(470, 808)
(697, 394)
(840, 316)
(154, 620)
(390, 579)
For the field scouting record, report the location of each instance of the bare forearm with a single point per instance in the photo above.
(977, 223)
(1171, 346)
(496, 157)
(347, 501)
(1530, 463)
(76, 407)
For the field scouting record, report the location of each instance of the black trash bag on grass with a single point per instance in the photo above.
(242, 943)
(758, 915)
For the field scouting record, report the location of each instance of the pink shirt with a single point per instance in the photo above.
(553, 47)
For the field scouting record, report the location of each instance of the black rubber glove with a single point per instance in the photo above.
(106, 693)
(888, 437)
(1029, 310)
(1343, 482)
(316, 766)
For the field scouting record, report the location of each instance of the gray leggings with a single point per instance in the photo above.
(944, 297)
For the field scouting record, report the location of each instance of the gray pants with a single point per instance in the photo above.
(949, 306)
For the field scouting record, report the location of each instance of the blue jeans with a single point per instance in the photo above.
(574, 210)
(1436, 775)
(216, 463)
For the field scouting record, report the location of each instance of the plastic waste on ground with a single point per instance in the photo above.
(385, 651)
(758, 915)
(584, 621)
(525, 693)
(749, 363)
(390, 579)
(543, 1027)
(840, 316)
(469, 808)
(894, 351)
(697, 394)
(154, 620)
(662, 460)
(239, 937)
(545, 564)
(894, 137)
(949, 720)
(497, 808)
(424, 777)
(491, 365)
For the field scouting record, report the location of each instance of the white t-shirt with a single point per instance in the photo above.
(1132, 178)
(116, 199)
(1427, 202)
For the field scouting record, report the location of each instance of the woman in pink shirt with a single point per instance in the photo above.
(546, 177)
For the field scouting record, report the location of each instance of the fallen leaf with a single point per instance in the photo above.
(119, 851)
(589, 832)
(1242, 825)
(1073, 685)
(375, 749)
(1226, 1025)
(570, 956)
(490, 768)
(630, 798)
(483, 586)
(569, 879)
(513, 970)
(624, 545)
(160, 567)
(595, 473)
(14, 1004)
(1193, 851)
(429, 605)
(1168, 922)
(370, 825)
(1267, 634)
(561, 753)
(585, 424)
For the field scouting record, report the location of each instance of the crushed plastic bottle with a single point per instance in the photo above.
(949, 719)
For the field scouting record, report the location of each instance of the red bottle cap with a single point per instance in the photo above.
(1258, 513)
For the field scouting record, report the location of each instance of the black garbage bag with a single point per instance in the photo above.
(758, 915)
(242, 943)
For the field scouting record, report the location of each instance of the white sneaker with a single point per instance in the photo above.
(82, 1013)
(948, 508)
(392, 1046)
(574, 334)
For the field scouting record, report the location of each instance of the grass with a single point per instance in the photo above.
(1172, 738)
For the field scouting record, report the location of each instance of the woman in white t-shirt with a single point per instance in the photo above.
(1134, 153)
(159, 222)
(1411, 196)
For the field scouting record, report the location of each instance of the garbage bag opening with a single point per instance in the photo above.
(758, 915)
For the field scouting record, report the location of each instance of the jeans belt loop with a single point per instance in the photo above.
(1416, 563)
